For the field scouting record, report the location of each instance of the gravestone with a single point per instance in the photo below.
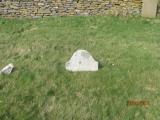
(7, 69)
(149, 8)
(81, 60)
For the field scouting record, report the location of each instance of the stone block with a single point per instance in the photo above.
(149, 8)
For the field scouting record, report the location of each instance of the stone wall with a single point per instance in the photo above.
(42, 8)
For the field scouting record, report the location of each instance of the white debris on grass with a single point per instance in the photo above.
(81, 60)
(7, 69)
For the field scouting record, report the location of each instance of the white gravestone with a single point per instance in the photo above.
(7, 69)
(149, 8)
(81, 61)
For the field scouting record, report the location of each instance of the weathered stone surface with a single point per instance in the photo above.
(28, 8)
(82, 61)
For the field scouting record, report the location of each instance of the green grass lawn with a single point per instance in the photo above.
(128, 50)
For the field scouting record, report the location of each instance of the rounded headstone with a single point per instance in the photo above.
(81, 60)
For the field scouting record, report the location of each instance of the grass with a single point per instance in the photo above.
(41, 89)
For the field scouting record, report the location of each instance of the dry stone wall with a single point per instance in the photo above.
(42, 8)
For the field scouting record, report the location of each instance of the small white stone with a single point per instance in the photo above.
(40, 4)
(82, 61)
(7, 69)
